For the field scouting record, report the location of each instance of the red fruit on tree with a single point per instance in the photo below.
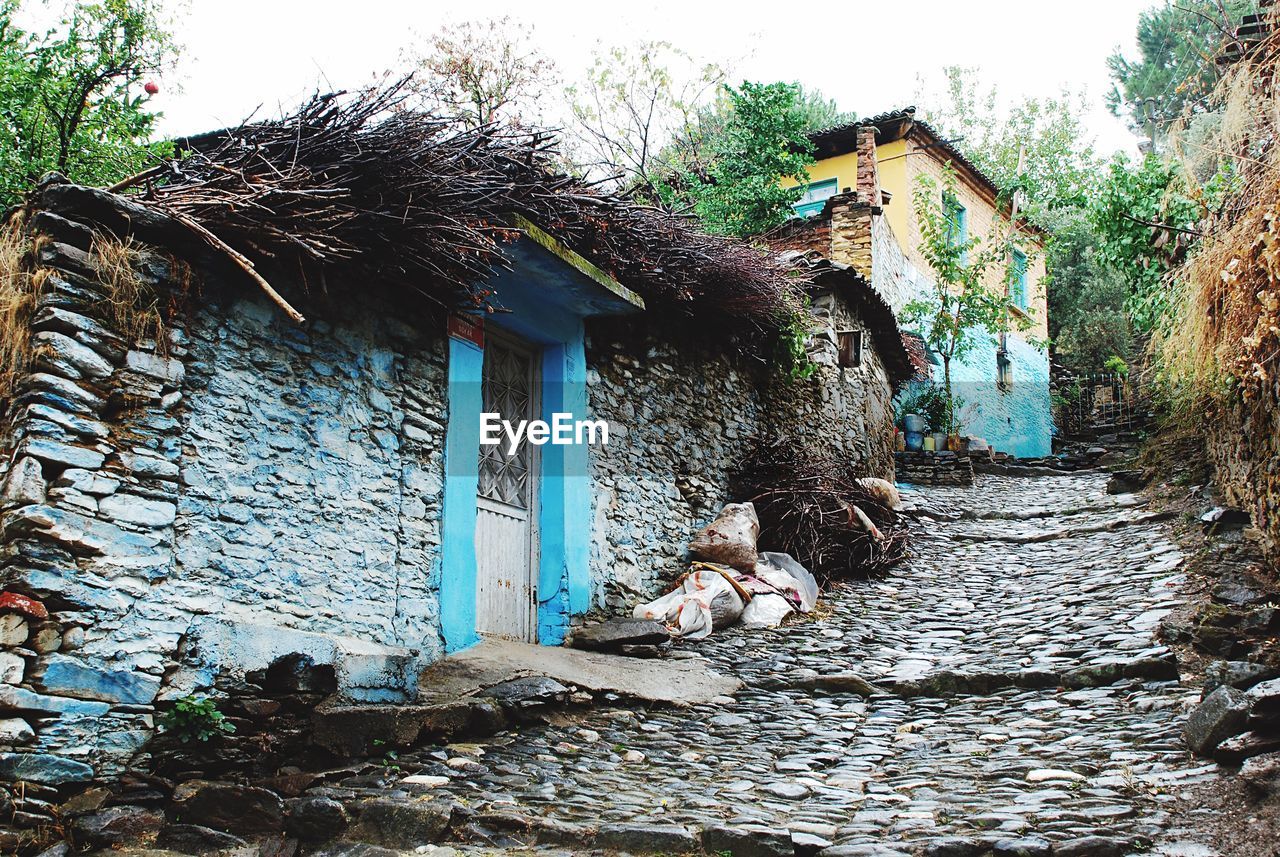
(151, 87)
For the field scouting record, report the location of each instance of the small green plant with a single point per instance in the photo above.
(1116, 366)
(195, 718)
(793, 359)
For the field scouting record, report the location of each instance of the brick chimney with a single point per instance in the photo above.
(868, 173)
(851, 213)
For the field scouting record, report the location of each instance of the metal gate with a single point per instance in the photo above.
(1089, 405)
(506, 498)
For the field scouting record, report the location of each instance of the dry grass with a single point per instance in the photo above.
(131, 307)
(20, 284)
(1224, 340)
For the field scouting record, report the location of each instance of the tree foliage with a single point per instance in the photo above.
(962, 311)
(483, 72)
(71, 98)
(1145, 218)
(735, 185)
(637, 110)
(1174, 71)
(1039, 146)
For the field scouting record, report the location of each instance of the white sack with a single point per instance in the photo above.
(789, 577)
(730, 539)
(766, 611)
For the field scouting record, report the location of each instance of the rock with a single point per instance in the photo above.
(646, 838)
(14, 602)
(1222, 714)
(194, 839)
(43, 768)
(62, 394)
(149, 466)
(1044, 775)
(131, 509)
(954, 846)
(1237, 593)
(808, 844)
(20, 699)
(1094, 846)
(117, 825)
(1264, 698)
(789, 791)
(612, 634)
(315, 819)
(528, 692)
(1262, 773)
(1237, 748)
(166, 369)
(1220, 519)
(15, 730)
(64, 356)
(426, 781)
(356, 849)
(60, 454)
(357, 730)
(225, 806)
(13, 629)
(25, 484)
(1023, 846)
(834, 683)
(747, 841)
(1125, 482)
(1238, 674)
(402, 823)
(69, 676)
(87, 482)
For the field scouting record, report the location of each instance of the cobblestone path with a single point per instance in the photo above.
(1020, 701)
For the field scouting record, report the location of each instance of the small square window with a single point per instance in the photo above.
(850, 342)
(815, 197)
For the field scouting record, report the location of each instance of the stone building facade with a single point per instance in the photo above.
(203, 503)
(872, 226)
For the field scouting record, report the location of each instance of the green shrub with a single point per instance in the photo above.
(195, 718)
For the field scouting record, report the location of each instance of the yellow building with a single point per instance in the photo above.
(906, 148)
(857, 211)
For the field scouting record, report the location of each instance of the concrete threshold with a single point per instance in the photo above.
(675, 682)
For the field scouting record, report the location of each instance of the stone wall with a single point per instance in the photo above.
(180, 514)
(1243, 441)
(681, 414)
(934, 468)
(175, 511)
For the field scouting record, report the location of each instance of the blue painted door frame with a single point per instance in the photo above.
(564, 513)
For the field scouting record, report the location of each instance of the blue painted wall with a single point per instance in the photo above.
(1018, 421)
(458, 528)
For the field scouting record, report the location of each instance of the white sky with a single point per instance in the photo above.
(240, 54)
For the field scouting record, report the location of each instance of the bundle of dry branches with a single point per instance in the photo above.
(361, 186)
(806, 503)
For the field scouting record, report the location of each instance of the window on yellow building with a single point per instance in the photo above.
(957, 220)
(1018, 280)
(815, 197)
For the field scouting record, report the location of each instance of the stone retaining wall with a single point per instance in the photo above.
(931, 468)
(1243, 440)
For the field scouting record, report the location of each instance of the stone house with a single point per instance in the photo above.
(857, 209)
(204, 496)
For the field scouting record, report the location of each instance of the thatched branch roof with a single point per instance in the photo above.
(361, 187)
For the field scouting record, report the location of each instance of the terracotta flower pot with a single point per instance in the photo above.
(953, 443)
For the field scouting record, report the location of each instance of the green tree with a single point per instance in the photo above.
(1174, 71)
(820, 112)
(962, 311)
(734, 185)
(72, 98)
(1040, 146)
(1146, 218)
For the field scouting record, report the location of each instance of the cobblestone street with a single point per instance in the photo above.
(1019, 702)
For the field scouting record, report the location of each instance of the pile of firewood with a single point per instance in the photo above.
(816, 509)
(364, 186)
